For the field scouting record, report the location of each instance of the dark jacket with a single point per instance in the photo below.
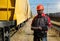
(35, 23)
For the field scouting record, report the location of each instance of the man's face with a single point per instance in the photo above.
(39, 12)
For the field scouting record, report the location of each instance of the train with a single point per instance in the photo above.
(55, 16)
(13, 13)
(55, 19)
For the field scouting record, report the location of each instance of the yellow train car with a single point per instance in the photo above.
(22, 10)
(28, 9)
(14, 11)
(13, 14)
(7, 8)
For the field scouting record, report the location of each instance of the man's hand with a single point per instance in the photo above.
(40, 28)
(34, 28)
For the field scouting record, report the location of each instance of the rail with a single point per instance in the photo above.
(56, 27)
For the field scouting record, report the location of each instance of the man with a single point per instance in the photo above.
(40, 24)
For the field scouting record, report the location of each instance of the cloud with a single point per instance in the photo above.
(53, 8)
(58, 5)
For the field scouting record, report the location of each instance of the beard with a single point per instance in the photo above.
(39, 15)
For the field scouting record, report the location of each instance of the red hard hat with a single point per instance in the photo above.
(40, 7)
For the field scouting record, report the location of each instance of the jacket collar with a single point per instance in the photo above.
(42, 15)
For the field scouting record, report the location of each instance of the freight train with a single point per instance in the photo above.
(55, 16)
(14, 12)
(55, 20)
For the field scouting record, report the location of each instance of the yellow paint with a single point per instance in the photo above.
(7, 10)
(14, 10)
(29, 12)
(3, 3)
(21, 10)
(3, 15)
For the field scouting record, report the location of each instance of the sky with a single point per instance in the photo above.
(50, 6)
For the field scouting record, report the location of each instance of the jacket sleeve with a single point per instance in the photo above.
(32, 22)
(49, 22)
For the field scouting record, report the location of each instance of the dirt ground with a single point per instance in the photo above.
(26, 34)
